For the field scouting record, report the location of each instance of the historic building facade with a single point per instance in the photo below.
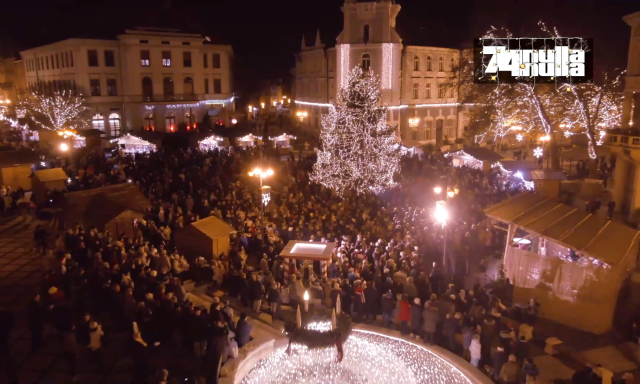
(411, 77)
(152, 78)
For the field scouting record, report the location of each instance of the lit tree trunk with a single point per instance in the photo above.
(547, 127)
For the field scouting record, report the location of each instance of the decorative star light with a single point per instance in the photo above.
(266, 198)
(519, 137)
(537, 152)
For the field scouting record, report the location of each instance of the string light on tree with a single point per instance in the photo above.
(358, 148)
(537, 152)
(57, 112)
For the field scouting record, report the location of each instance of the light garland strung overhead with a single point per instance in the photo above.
(358, 148)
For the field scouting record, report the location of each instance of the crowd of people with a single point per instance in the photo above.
(388, 259)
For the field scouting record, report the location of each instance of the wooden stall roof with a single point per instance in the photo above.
(308, 250)
(213, 227)
(52, 174)
(595, 236)
(482, 154)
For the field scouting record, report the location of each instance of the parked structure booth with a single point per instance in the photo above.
(206, 238)
(48, 180)
(16, 168)
(572, 261)
(117, 208)
(476, 157)
(317, 252)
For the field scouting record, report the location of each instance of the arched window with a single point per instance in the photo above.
(188, 86)
(429, 63)
(98, 122)
(170, 121)
(168, 89)
(365, 33)
(451, 128)
(147, 89)
(416, 63)
(190, 119)
(428, 129)
(114, 125)
(148, 122)
(441, 64)
(366, 62)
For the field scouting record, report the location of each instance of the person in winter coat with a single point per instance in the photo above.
(416, 318)
(498, 357)
(510, 372)
(475, 350)
(388, 305)
(430, 318)
(409, 288)
(274, 300)
(95, 344)
(529, 372)
(359, 300)
(372, 301)
(335, 292)
(404, 314)
(243, 330)
(450, 327)
(522, 349)
(487, 336)
(467, 336)
(256, 293)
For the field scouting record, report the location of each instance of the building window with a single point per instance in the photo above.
(441, 64)
(148, 122)
(414, 91)
(188, 86)
(94, 84)
(168, 89)
(428, 63)
(442, 91)
(217, 86)
(186, 59)
(170, 121)
(92, 57)
(427, 93)
(47, 62)
(365, 33)
(112, 89)
(416, 63)
(428, 128)
(190, 118)
(165, 42)
(186, 43)
(451, 128)
(166, 58)
(215, 60)
(452, 93)
(98, 122)
(366, 62)
(71, 57)
(204, 60)
(57, 61)
(147, 89)
(109, 59)
(144, 41)
(145, 58)
(206, 85)
(453, 63)
(114, 125)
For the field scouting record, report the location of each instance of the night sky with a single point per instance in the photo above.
(266, 34)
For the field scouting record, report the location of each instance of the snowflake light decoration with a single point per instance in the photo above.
(537, 152)
(519, 137)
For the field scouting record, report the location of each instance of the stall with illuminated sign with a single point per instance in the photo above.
(133, 144)
(282, 141)
(318, 253)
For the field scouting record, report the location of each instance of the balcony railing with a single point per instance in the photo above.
(174, 97)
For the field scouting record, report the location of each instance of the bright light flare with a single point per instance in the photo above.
(451, 193)
(441, 214)
(437, 190)
(64, 147)
(537, 152)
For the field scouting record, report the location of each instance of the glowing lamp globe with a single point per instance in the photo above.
(64, 147)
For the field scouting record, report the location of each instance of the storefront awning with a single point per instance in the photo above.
(608, 241)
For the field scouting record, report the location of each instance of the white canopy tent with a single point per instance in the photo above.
(282, 141)
(133, 144)
(248, 140)
(212, 142)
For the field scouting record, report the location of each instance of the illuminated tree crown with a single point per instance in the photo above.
(56, 112)
(359, 150)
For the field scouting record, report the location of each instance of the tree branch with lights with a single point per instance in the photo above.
(56, 112)
(358, 149)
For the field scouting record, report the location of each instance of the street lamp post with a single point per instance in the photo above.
(265, 194)
(442, 215)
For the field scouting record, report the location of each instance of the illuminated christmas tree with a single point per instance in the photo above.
(358, 149)
(56, 112)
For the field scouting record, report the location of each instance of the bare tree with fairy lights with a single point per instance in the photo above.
(59, 111)
(358, 149)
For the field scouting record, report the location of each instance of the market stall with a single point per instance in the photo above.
(309, 251)
(213, 142)
(475, 157)
(133, 144)
(249, 141)
(282, 141)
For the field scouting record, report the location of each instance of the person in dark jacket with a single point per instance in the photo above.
(522, 349)
(416, 318)
(35, 314)
(372, 301)
(388, 305)
(499, 358)
(256, 293)
(274, 300)
(530, 369)
(217, 349)
(450, 326)
(243, 330)
(140, 357)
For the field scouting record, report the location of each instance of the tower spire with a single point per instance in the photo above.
(318, 42)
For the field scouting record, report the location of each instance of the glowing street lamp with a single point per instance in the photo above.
(441, 215)
(437, 190)
(64, 147)
(451, 193)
